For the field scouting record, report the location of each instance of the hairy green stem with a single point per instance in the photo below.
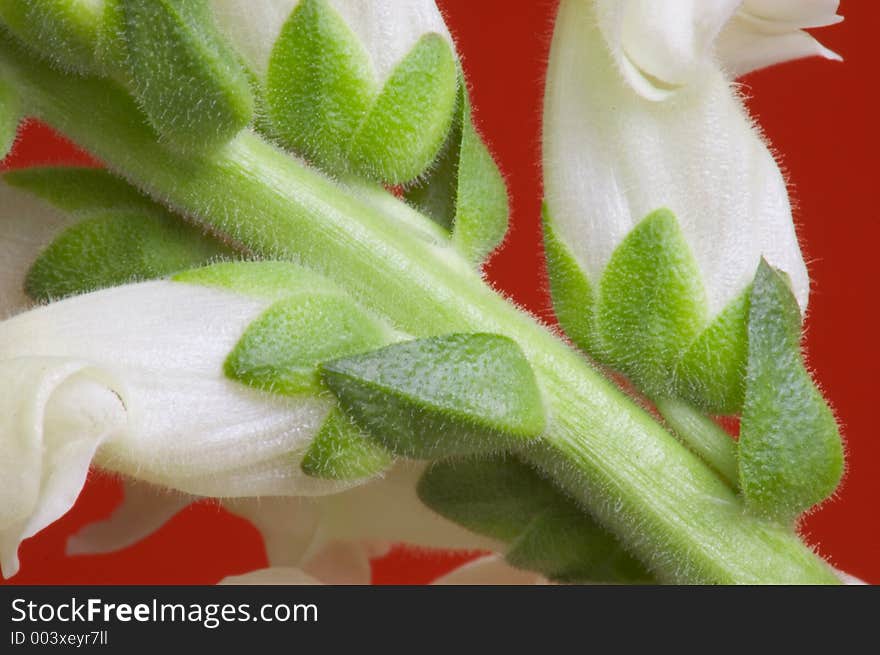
(663, 502)
(703, 436)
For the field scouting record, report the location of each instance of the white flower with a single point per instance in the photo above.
(134, 376)
(641, 113)
(388, 29)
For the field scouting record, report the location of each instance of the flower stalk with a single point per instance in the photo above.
(665, 505)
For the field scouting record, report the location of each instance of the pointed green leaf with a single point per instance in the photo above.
(464, 190)
(77, 189)
(504, 499)
(320, 84)
(340, 451)
(408, 122)
(711, 373)
(651, 304)
(186, 78)
(456, 394)
(112, 248)
(280, 351)
(790, 453)
(62, 31)
(10, 115)
(571, 291)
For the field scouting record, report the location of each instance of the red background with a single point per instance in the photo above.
(822, 119)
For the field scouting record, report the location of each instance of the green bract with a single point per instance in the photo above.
(464, 190)
(122, 236)
(109, 248)
(340, 451)
(440, 396)
(63, 31)
(790, 454)
(281, 350)
(324, 101)
(503, 498)
(187, 80)
(647, 317)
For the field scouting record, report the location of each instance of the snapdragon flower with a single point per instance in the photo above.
(641, 113)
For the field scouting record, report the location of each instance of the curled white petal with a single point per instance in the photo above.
(388, 29)
(52, 420)
(612, 156)
(27, 226)
(143, 510)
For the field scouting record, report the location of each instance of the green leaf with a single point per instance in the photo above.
(711, 373)
(790, 453)
(112, 248)
(320, 84)
(280, 351)
(62, 31)
(571, 291)
(464, 190)
(340, 451)
(77, 189)
(408, 122)
(455, 394)
(502, 498)
(10, 115)
(270, 280)
(187, 80)
(651, 303)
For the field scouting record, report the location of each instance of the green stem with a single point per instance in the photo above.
(665, 505)
(703, 436)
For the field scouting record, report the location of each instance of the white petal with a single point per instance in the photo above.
(745, 46)
(27, 226)
(272, 576)
(490, 570)
(660, 46)
(52, 419)
(612, 156)
(143, 510)
(797, 14)
(288, 525)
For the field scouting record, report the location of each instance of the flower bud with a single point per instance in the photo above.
(360, 86)
(641, 114)
(138, 377)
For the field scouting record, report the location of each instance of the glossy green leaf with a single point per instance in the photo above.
(790, 453)
(502, 498)
(711, 373)
(280, 351)
(187, 80)
(408, 121)
(464, 190)
(320, 84)
(116, 247)
(571, 291)
(78, 189)
(10, 115)
(455, 394)
(62, 31)
(651, 304)
(340, 451)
